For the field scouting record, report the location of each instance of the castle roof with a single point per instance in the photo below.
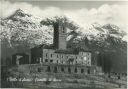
(67, 51)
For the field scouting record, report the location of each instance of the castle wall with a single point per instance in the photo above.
(58, 68)
(49, 55)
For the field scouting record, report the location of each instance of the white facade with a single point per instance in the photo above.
(50, 56)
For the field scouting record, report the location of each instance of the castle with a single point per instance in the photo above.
(59, 59)
(70, 68)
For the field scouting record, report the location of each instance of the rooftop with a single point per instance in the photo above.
(67, 51)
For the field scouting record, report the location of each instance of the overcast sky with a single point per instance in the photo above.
(84, 13)
(63, 4)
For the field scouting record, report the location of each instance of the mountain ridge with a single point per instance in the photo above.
(23, 31)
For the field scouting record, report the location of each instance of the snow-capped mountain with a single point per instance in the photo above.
(24, 27)
(22, 31)
(21, 26)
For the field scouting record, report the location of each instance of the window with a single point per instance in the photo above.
(51, 55)
(51, 60)
(88, 71)
(62, 69)
(115, 73)
(48, 69)
(57, 61)
(55, 69)
(57, 56)
(88, 62)
(76, 61)
(39, 70)
(118, 77)
(75, 70)
(46, 60)
(46, 55)
(82, 70)
(69, 70)
(63, 30)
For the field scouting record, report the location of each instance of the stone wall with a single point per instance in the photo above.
(62, 68)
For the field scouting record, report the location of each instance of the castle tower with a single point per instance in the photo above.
(60, 36)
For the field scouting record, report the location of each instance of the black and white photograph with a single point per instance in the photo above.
(61, 44)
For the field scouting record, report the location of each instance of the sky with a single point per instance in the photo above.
(84, 13)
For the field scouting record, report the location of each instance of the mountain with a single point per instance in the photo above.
(22, 31)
